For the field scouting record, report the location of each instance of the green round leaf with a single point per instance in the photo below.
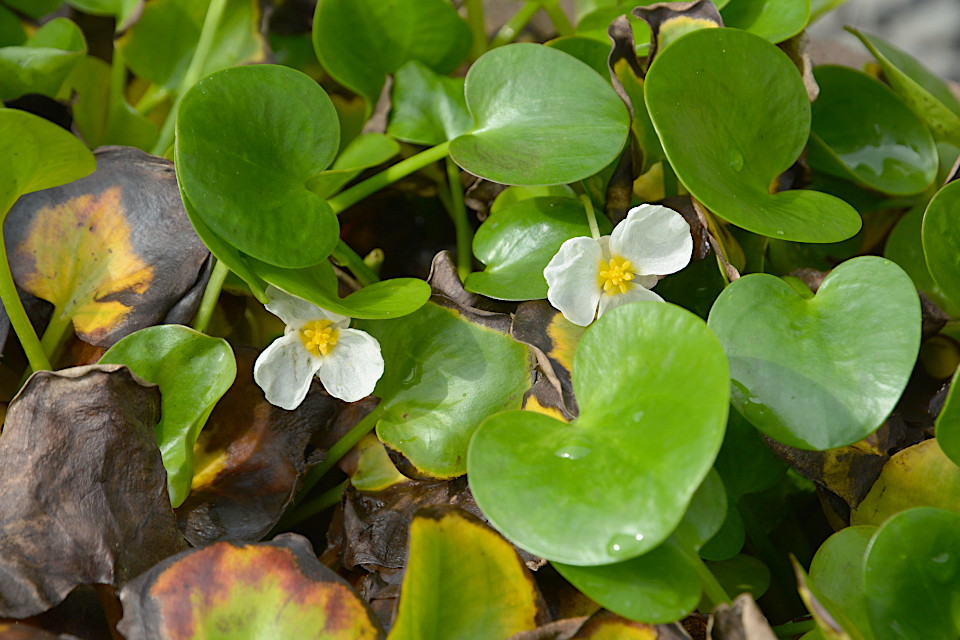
(837, 574)
(941, 240)
(248, 141)
(662, 585)
(717, 98)
(36, 154)
(442, 376)
(173, 27)
(912, 576)
(948, 422)
(360, 42)
(820, 372)
(43, 62)
(554, 122)
(773, 20)
(861, 129)
(426, 107)
(193, 371)
(615, 482)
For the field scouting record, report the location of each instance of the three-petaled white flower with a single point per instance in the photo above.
(588, 277)
(315, 342)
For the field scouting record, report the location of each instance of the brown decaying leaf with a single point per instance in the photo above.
(250, 457)
(665, 17)
(83, 491)
(798, 48)
(741, 620)
(604, 624)
(114, 251)
(448, 291)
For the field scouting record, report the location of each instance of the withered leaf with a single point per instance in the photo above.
(274, 589)
(114, 252)
(250, 458)
(83, 496)
(604, 624)
(670, 20)
(741, 620)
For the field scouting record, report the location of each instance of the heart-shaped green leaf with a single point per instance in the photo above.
(43, 62)
(820, 372)
(246, 175)
(773, 20)
(518, 241)
(615, 482)
(174, 26)
(462, 581)
(941, 241)
(837, 574)
(426, 107)
(443, 375)
(36, 154)
(717, 97)
(912, 576)
(556, 121)
(879, 142)
(385, 35)
(193, 371)
(930, 97)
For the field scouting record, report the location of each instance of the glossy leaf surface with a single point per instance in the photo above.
(463, 581)
(615, 482)
(193, 371)
(246, 175)
(941, 240)
(443, 376)
(531, 106)
(716, 97)
(773, 20)
(837, 574)
(820, 372)
(385, 35)
(861, 129)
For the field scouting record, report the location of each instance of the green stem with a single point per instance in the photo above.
(210, 296)
(56, 334)
(478, 28)
(515, 24)
(15, 311)
(340, 449)
(154, 95)
(190, 78)
(557, 16)
(118, 77)
(356, 193)
(458, 211)
(310, 508)
(670, 185)
(344, 256)
(712, 588)
(591, 216)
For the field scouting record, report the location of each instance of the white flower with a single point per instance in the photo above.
(588, 277)
(315, 342)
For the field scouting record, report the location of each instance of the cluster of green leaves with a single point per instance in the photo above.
(635, 479)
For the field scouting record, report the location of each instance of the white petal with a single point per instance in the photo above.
(655, 239)
(295, 312)
(634, 294)
(351, 370)
(284, 371)
(572, 280)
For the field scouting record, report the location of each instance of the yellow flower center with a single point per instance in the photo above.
(319, 336)
(615, 276)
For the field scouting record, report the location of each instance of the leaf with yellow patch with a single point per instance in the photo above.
(270, 590)
(463, 581)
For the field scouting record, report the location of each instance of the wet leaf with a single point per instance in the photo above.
(245, 177)
(113, 252)
(880, 143)
(820, 372)
(443, 375)
(271, 590)
(249, 459)
(173, 27)
(713, 87)
(557, 103)
(385, 36)
(43, 62)
(559, 489)
(426, 107)
(193, 371)
(82, 487)
(911, 580)
(463, 581)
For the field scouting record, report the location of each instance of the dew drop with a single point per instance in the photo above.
(942, 568)
(625, 544)
(736, 160)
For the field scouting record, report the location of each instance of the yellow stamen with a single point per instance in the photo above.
(614, 277)
(319, 336)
